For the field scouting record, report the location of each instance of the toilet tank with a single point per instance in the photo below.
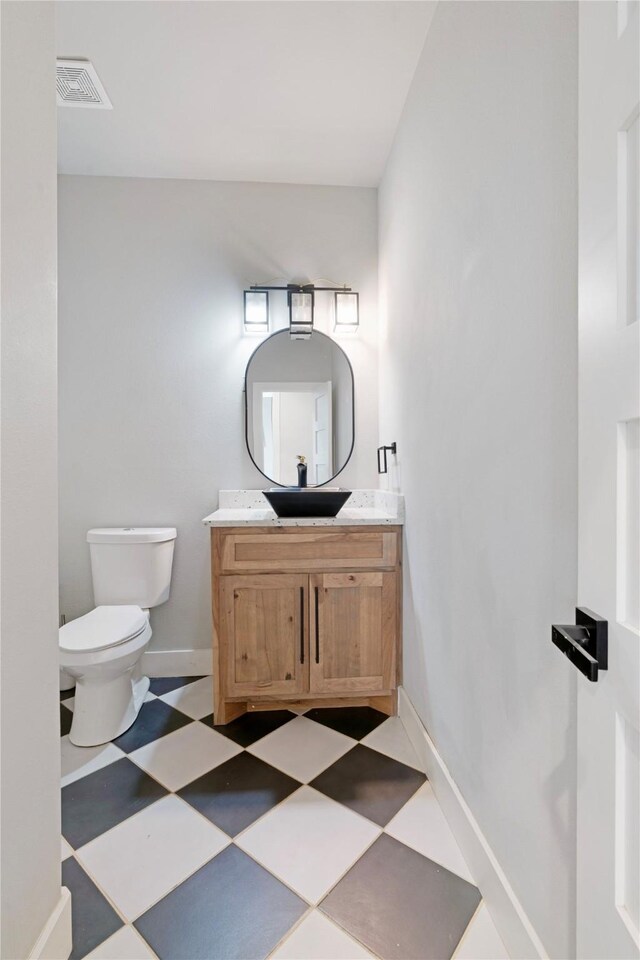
(131, 565)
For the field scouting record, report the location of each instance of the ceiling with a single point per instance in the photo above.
(300, 91)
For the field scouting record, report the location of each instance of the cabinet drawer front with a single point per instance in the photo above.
(308, 551)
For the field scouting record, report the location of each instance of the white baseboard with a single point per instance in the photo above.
(507, 912)
(177, 663)
(55, 941)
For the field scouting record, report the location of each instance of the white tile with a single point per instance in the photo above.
(140, 860)
(391, 739)
(65, 849)
(481, 940)
(69, 703)
(308, 841)
(77, 762)
(185, 754)
(421, 824)
(126, 944)
(194, 699)
(317, 938)
(302, 748)
(150, 696)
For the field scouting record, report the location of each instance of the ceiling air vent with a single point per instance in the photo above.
(79, 86)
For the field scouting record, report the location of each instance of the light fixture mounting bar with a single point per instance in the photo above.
(299, 288)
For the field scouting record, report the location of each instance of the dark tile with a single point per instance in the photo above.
(354, 722)
(251, 727)
(156, 718)
(102, 799)
(401, 905)
(66, 716)
(160, 685)
(93, 919)
(370, 783)
(66, 694)
(237, 792)
(231, 909)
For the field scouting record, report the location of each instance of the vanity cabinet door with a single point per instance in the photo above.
(263, 626)
(353, 619)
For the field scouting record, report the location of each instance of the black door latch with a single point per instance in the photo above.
(585, 644)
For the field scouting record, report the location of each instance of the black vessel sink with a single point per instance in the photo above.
(306, 501)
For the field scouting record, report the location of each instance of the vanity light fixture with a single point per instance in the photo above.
(347, 310)
(256, 311)
(301, 303)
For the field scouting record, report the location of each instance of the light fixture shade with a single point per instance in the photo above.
(347, 310)
(300, 315)
(256, 311)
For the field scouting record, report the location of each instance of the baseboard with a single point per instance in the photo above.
(55, 941)
(177, 663)
(507, 912)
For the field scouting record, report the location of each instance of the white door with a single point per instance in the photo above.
(322, 433)
(608, 813)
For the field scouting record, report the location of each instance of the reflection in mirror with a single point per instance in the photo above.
(299, 402)
(292, 420)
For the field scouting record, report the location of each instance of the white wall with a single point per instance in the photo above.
(30, 767)
(152, 356)
(478, 307)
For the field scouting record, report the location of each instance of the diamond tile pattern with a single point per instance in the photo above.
(370, 783)
(415, 908)
(66, 716)
(239, 791)
(154, 720)
(252, 726)
(231, 908)
(355, 722)
(190, 840)
(181, 756)
(103, 799)
(168, 837)
(194, 699)
(160, 685)
(308, 842)
(302, 748)
(93, 919)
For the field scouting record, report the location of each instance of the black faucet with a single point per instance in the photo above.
(302, 471)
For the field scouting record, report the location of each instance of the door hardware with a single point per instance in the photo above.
(585, 644)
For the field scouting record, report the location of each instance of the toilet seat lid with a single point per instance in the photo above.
(102, 628)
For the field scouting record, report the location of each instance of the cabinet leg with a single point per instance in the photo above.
(388, 705)
(226, 712)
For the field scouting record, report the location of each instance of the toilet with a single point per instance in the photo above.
(100, 652)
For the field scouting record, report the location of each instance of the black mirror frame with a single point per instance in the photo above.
(316, 333)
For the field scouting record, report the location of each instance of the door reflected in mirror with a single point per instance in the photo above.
(299, 402)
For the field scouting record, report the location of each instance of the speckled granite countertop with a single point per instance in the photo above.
(248, 508)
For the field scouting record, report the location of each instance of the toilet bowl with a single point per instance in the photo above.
(101, 652)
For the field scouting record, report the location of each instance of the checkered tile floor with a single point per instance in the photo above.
(277, 836)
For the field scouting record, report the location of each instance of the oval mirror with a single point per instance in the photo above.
(299, 401)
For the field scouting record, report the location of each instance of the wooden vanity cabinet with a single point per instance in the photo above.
(305, 617)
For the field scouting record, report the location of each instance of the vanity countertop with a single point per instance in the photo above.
(248, 508)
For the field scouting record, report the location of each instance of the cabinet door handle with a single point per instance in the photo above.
(301, 624)
(316, 601)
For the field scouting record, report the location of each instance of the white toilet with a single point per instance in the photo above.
(100, 652)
